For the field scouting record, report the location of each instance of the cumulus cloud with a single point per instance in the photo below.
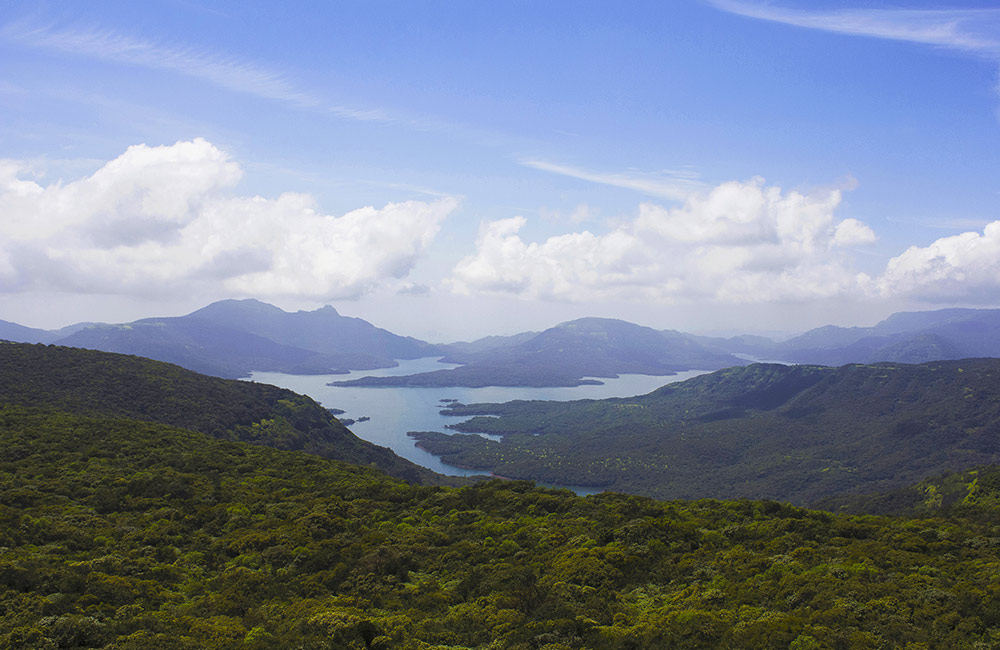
(851, 232)
(964, 267)
(165, 220)
(738, 242)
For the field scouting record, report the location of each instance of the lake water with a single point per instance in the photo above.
(396, 410)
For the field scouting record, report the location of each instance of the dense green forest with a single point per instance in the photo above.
(795, 433)
(130, 535)
(969, 493)
(87, 381)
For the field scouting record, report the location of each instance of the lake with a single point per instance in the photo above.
(396, 410)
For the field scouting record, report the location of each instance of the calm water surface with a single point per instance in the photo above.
(395, 410)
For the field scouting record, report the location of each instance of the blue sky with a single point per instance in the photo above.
(454, 169)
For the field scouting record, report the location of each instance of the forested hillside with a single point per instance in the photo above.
(128, 535)
(796, 433)
(973, 493)
(92, 382)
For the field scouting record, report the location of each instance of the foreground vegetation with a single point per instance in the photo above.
(795, 433)
(130, 535)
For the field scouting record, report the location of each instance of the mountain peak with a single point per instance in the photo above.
(237, 306)
(594, 323)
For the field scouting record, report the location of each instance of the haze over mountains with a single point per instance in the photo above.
(564, 355)
(232, 338)
(906, 337)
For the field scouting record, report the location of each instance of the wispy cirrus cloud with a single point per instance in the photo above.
(675, 185)
(970, 30)
(224, 71)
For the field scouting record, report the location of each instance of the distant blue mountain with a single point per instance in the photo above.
(323, 330)
(21, 334)
(212, 349)
(905, 337)
(232, 338)
(565, 355)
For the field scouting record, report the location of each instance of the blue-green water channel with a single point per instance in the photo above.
(396, 410)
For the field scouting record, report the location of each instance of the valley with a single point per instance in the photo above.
(395, 411)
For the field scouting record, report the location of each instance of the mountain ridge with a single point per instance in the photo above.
(906, 337)
(569, 354)
(232, 338)
(225, 339)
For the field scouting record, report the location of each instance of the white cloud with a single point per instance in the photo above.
(676, 185)
(165, 220)
(851, 232)
(973, 30)
(739, 242)
(964, 267)
(221, 70)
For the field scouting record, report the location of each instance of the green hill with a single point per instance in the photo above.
(796, 433)
(92, 382)
(972, 493)
(120, 534)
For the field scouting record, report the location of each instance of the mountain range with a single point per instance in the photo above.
(569, 354)
(233, 338)
(905, 337)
